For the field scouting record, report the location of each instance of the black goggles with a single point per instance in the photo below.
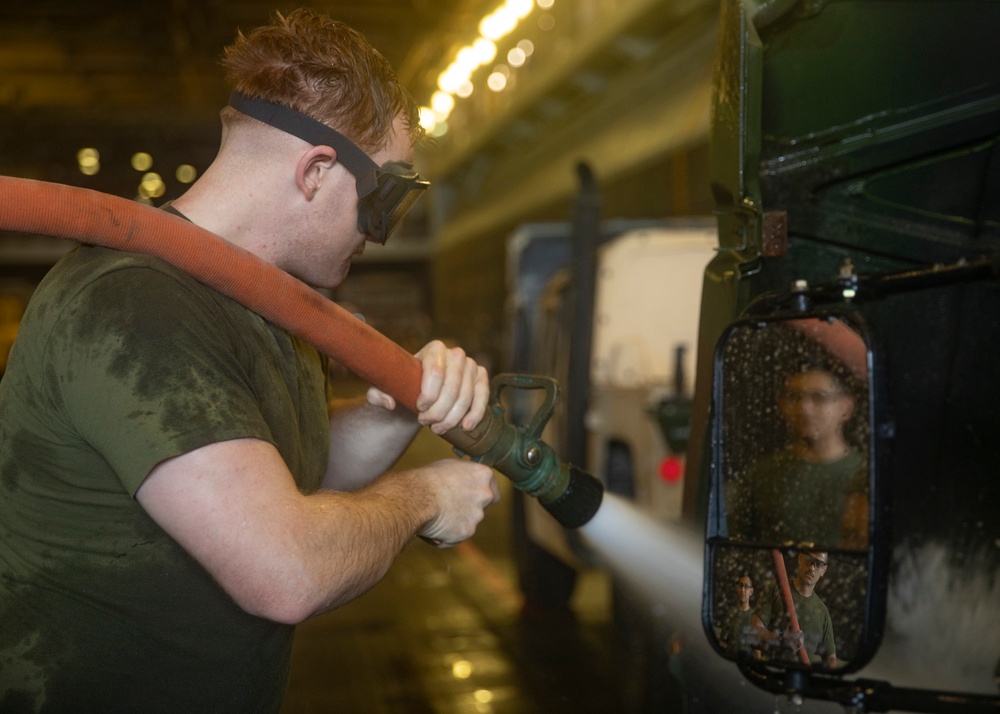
(813, 560)
(385, 193)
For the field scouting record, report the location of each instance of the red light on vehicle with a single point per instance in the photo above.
(671, 469)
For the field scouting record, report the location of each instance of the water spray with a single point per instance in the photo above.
(71, 213)
(661, 564)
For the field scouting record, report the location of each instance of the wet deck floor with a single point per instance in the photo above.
(443, 634)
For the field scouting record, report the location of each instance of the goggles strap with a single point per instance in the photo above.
(309, 130)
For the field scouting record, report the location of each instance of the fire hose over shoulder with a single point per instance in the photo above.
(787, 601)
(35, 207)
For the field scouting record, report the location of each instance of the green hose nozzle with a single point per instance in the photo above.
(571, 495)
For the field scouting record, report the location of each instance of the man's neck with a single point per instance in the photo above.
(821, 451)
(218, 212)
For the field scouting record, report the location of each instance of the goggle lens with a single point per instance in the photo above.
(396, 188)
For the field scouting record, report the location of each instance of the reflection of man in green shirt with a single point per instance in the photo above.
(736, 627)
(771, 622)
(815, 490)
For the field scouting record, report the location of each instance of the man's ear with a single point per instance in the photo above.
(313, 168)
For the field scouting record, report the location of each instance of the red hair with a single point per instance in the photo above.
(324, 69)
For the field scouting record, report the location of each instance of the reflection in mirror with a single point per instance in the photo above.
(795, 434)
(752, 589)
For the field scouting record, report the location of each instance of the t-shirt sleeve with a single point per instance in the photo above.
(829, 645)
(147, 368)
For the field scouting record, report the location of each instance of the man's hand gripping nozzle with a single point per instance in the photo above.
(572, 496)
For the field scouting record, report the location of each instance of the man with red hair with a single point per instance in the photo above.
(174, 495)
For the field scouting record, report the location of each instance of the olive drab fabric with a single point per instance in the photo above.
(122, 362)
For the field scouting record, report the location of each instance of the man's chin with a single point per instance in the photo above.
(330, 281)
(345, 269)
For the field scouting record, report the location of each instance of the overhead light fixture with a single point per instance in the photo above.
(484, 51)
(516, 57)
(186, 173)
(88, 160)
(456, 79)
(141, 161)
(498, 24)
(497, 81)
(442, 103)
(152, 186)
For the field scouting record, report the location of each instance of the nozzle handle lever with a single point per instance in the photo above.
(518, 452)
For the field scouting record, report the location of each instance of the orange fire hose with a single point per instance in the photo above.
(87, 216)
(35, 207)
(786, 596)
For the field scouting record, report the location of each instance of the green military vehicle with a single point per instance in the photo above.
(856, 173)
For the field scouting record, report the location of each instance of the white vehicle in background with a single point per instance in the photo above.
(634, 375)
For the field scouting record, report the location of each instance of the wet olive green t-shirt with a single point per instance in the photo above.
(813, 618)
(122, 362)
(783, 498)
(736, 630)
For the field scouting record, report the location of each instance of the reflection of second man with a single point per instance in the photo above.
(771, 622)
(736, 628)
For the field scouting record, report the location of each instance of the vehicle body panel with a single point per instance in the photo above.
(868, 132)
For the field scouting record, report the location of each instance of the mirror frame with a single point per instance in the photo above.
(877, 553)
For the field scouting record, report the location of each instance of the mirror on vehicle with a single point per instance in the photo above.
(788, 571)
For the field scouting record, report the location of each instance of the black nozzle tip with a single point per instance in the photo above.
(579, 502)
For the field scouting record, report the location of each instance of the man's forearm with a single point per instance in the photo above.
(365, 442)
(284, 555)
(281, 554)
(355, 538)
